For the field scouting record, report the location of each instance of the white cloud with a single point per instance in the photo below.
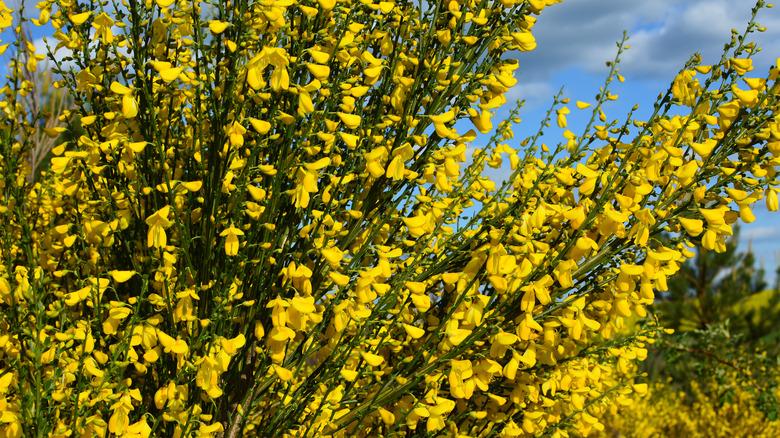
(702, 27)
(532, 92)
(663, 34)
(761, 234)
(42, 49)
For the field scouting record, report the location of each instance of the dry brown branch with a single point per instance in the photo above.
(45, 105)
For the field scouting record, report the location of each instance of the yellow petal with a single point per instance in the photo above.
(415, 286)
(308, 11)
(80, 18)
(741, 65)
(483, 123)
(771, 200)
(161, 65)
(170, 74)
(375, 169)
(260, 126)
(338, 279)
(319, 71)
(333, 255)
(151, 355)
(137, 147)
(351, 120)
(443, 118)
(348, 375)
(746, 214)
(358, 91)
(414, 332)
(283, 373)
(327, 5)
(640, 388)
(386, 7)
(713, 216)
(387, 417)
(259, 330)
(443, 131)
(164, 339)
(395, 169)
(129, 106)
(305, 103)
(118, 88)
(631, 269)
(164, 3)
(72, 299)
(5, 287)
(218, 27)
(582, 105)
(231, 245)
(319, 164)
(254, 78)
(231, 346)
(319, 57)
(280, 79)
(256, 193)
(414, 222)
(192, 186)
(89, 366)
(303, 305)
(179, 347)
(53, 132)
(350, 140)
(505, 338)
(450, 277)
(373, 359)
(122, 276)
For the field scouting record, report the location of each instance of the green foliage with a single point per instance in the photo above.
(709, 286)
(760, 312)
(725, 339)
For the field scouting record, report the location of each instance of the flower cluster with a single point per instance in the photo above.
(266, 218)
(668, 411)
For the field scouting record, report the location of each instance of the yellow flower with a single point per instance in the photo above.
(103, 24)
(741, 66)
(694, 227)
(562, 116)
(231, 240)
(139, 429)
(157, 223)
(236, 134)
(771, 199)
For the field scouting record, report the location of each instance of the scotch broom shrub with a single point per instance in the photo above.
(262, 221)
(668, 411)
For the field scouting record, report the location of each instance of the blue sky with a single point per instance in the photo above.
(575, 39)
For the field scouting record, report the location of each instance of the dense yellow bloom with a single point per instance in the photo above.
(373, 279)
(665, 411)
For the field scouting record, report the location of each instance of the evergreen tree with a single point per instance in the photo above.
(709, 285)
(724, 337)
